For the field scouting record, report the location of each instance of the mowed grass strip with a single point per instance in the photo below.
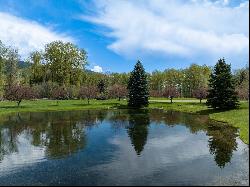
(7, 107)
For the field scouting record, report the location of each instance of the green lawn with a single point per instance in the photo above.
(238, 118)
(52, 105)
(178, 98)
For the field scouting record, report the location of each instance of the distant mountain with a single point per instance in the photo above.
(23, 64)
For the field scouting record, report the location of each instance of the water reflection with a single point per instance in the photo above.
(64, 133)
(222, 143)
(138, 129)
(60, 133)
(222, 138)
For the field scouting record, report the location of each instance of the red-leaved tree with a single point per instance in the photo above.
(88, 92)
(18, 93)
(200, 93)
(117, 91)
(170, 92)
(155, 93)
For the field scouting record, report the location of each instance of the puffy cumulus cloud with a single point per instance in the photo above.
(97, 69)
(27, 35)
(174, 27)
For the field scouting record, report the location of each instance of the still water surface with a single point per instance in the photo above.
(120, 147)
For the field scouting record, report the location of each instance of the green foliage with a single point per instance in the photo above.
(101, 86)
(36, 68)
(138, 87)
(195, 77)
(222, 94)
(241, 78)
(10, 59)
(63, 60)
(2, 64)
(185, 81)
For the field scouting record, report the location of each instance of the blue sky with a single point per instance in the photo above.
(116, 33)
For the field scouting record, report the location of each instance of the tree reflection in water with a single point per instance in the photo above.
(138, 128)
(63, 133)
(60, 133)
(222, 143)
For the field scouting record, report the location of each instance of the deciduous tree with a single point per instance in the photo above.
(18, 93)
(200, 93)
(170, 92)
(63, 59)
(117, 91)
(60, 93)
(88, 92)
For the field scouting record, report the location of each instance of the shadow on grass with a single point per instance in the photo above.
(82, 104)
(210, 111)
(13, 107)
(116, 105)
(201, 112)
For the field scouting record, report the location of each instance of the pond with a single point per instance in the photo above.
(120, 147)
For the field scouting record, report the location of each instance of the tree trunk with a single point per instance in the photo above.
(18, 103)
(200, 101)
(171, 99)
(88, 101)
(119, 98)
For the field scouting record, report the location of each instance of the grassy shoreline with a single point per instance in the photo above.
(238, 118)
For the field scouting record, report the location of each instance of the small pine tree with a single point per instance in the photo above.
(101, 86)
(138, 87)
(222, 94)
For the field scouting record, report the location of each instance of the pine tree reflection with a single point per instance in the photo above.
(138, 129)
(63, 133)
(222, 143)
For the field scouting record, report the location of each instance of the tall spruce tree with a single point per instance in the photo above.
(101, 86)
(138, 87)
(222, 94)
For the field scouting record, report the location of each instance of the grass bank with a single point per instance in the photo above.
(7, 107)
(237, 118)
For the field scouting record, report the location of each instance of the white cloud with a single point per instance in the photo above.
(27, 35)
(26, 155)
(175, 27)
(97, 69)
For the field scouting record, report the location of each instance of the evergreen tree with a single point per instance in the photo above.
(138, 87)
(221, 93)
(101, 86)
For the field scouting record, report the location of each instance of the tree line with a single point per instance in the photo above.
(59, 72)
